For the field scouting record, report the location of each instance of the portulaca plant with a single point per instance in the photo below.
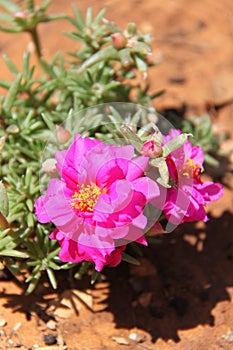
(87, 165)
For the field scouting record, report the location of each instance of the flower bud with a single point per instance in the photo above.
(131, 28)
(149, 58)
(21, 14)
(13, 129)
(152, 149)
(49, 167)
(63, 135)
(119, 41)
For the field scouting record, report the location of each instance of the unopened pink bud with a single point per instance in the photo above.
(152, 149)
(20, 14)
(63, 135)
(149, 58)
(119, 41)
(49, 167)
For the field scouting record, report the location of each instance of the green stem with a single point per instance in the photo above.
(35, 38)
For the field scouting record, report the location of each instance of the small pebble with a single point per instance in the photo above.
(228, 337)
(2, 333)
(133, 336)
(2, 322)
(120, 340)
(10, 342)
(51, 325)
(138, 338)
(50, 339)
(17, 326)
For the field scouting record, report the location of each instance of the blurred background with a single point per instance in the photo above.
(192, 41)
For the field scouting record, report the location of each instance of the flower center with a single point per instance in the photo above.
(191, 169)
(85, 198)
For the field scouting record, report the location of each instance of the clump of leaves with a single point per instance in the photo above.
(34, 105)
(201, 128)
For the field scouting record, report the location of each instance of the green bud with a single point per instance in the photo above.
(131, 28)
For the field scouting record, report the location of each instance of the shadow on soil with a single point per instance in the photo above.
(182, 280)
(176, 287)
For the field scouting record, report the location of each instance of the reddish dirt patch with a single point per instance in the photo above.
(181, 295)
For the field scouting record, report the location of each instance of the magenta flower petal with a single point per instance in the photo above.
(68, 162)
(97, 205)
(105, 157)
(72, 251)
(197, 155)
(148, 187)
(137, 167)
(210, 191)
(40, 210)
(56, 204)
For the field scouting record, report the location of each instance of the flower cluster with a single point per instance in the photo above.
(97, 204)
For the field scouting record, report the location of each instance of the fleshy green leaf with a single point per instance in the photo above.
(99, 17)
(174, 144)
(211, 160)
(105, 54)
(95, 276)
(9, 30)
(128, 258)
(12, 93)
(161, 165)
(9, 5)
(13, 253)
(5, 17)
(10, 65)
(51, 277)
(4, 202)
(131, 137)
(140, 63)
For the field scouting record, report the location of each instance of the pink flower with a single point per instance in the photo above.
(187, 198)
(97, 205)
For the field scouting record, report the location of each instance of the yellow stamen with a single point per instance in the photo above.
(85, 198)
(191, 169)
